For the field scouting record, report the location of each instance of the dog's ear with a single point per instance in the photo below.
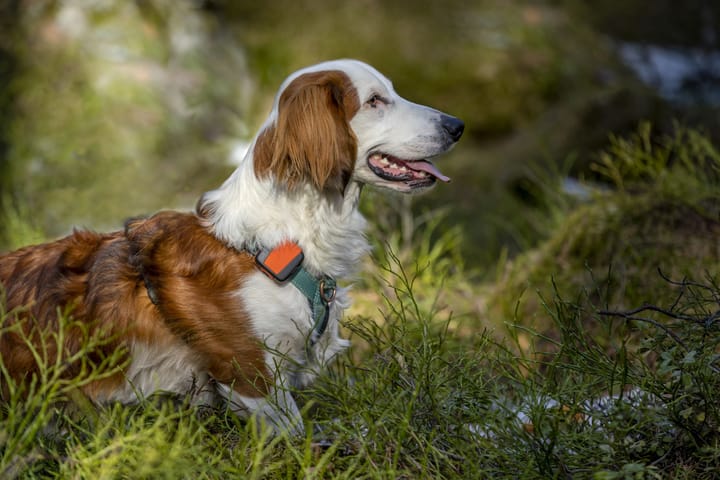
(311, 140)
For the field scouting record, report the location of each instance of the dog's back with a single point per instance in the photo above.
(42, 284)
(164, 287)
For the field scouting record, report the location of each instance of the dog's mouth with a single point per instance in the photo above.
(413, 172)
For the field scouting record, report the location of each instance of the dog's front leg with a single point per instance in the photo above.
(277, 410)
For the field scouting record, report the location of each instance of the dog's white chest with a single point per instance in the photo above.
(281, 317)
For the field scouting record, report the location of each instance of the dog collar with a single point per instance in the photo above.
(284, 264)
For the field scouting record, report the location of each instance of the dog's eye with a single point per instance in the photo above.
(376, 100)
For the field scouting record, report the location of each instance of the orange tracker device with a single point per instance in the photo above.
(281, 262)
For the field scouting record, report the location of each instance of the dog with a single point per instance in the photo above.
(237, 301)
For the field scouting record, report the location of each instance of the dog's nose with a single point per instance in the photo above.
(453, 126)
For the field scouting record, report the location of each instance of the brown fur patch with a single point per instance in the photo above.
(196, 279)
(39, 282)
(100, 278)
(311, 140)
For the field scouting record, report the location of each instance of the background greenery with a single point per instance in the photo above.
(551, 313)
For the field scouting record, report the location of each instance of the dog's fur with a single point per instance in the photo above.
(180, 293)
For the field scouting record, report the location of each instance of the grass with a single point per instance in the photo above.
(596, 380)
(420, 403)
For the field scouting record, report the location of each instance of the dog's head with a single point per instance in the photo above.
(342, 121)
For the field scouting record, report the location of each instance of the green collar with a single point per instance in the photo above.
(320, 293)
(284, 263)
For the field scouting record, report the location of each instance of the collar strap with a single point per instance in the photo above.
(284, 264)
(320, 293)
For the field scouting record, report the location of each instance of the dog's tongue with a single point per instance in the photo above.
(428, 167)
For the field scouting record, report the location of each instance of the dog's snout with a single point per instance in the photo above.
(453, 126)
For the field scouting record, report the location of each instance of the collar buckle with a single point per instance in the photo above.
(327, 290)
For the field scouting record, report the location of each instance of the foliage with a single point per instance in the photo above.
(108, 105)
(657, 211)
(37, 406)
(19, 228)
(418, 401)
(658, 417)
(422, 243)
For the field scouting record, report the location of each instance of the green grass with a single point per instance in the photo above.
(417, 402)
(591, 379)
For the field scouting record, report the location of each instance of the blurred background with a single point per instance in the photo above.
(114, 108)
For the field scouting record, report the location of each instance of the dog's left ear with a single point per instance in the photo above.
(311, 140)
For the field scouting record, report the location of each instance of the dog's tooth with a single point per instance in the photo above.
(394, 165)
(384, 161)
(403, 168)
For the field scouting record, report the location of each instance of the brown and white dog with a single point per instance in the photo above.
(183, 294)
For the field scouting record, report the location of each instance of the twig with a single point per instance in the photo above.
(631, 316)
(667, 313)
(687, 283)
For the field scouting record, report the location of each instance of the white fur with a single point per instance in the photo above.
(164, 368)
(278, 410)
(283, 320)
(250, 212)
